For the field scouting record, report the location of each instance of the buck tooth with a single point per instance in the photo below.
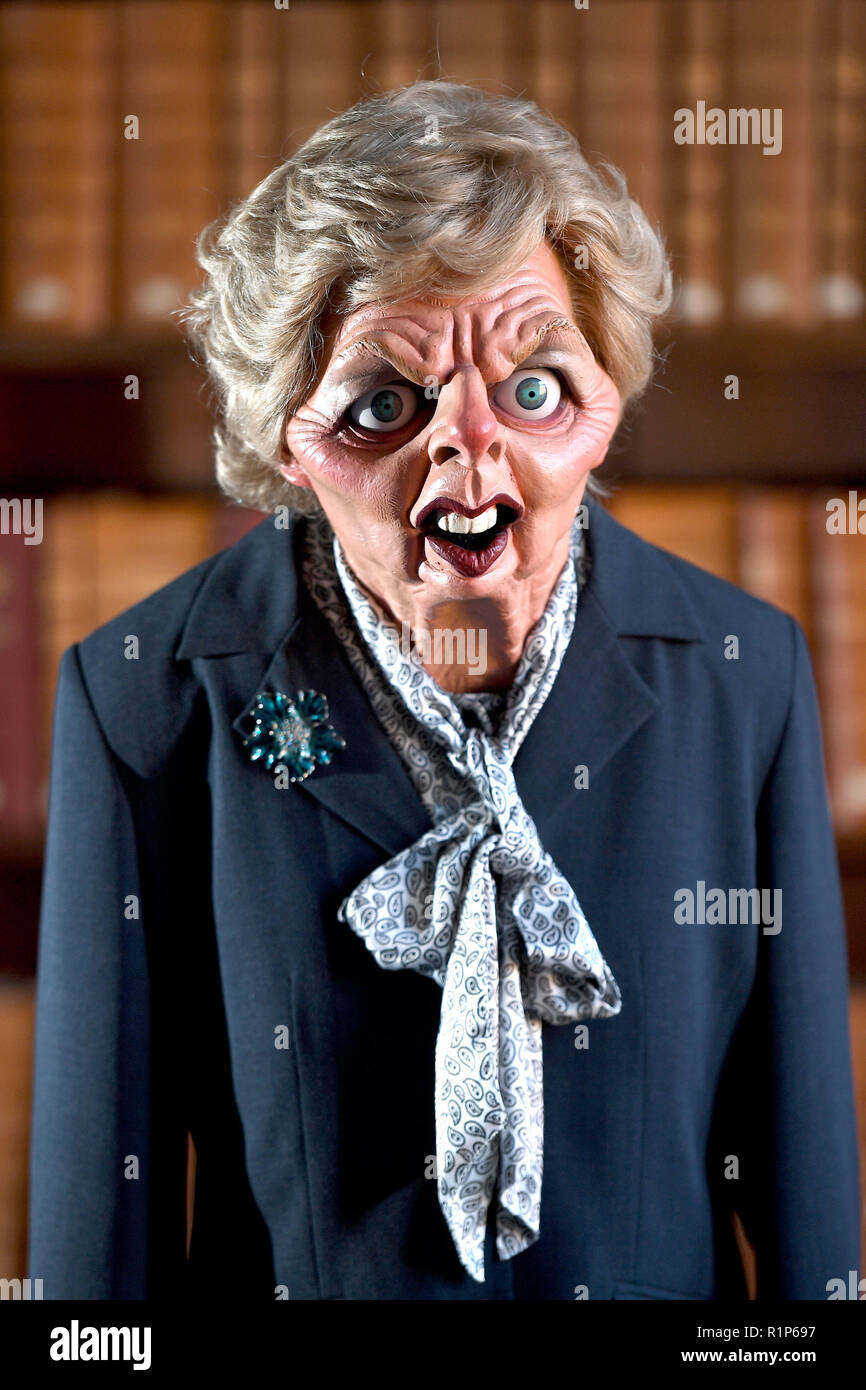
(458, 525)
(484, 522)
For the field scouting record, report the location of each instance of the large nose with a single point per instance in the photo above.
(465, 428)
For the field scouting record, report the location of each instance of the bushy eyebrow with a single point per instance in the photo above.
(556, 329)
(377, 349)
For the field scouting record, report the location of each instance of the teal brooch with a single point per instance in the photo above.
(293, 732)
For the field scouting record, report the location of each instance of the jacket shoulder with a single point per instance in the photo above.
(740, 656)
(644, 585)
(139, 668)
(159, 618)
(141, 695)
(719, 601)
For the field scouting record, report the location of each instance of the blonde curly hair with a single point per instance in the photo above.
(435, 188)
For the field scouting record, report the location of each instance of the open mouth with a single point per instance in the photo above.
(470, 544)
(473, 533)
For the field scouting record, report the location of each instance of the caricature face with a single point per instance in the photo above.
(449, 440)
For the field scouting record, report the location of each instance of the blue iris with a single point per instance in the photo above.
(386, 406)
(531, 392)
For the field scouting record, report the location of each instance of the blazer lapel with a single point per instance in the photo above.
(251, 601)
(366, 783)
(598, 700)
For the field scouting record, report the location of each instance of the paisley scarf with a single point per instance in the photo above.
(476, 903)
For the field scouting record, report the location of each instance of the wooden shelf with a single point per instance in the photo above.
(798, 419)
(68, 423)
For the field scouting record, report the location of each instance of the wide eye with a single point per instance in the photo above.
(531, 393)
(386, 408)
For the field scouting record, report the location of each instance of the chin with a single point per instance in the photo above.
(468, 575)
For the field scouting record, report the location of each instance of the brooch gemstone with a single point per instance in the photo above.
(292, 732)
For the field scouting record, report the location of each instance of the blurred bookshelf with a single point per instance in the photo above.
(100, 216)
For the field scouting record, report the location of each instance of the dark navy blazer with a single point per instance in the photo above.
(189, 913)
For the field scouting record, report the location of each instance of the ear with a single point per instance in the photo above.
(292, 470)
(602, 456)
(293, 473)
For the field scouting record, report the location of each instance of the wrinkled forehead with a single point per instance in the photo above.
(427, 335)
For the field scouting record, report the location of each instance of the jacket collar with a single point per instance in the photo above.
(248, 600)
(251, 602)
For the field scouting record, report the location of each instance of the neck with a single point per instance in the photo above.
(472, 645)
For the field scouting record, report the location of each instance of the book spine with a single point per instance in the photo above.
(56, 93)
(402, 43)
(838, 586)
(698, 221)
(169, 141)
(556, 54)
(324, 44)
(66, 598)
(626, 118)
(841, 204)
(774, 156)
(774, 550)
(21, 807)
(483, 44)
(253, 95)
(699, 523)
(142, 543)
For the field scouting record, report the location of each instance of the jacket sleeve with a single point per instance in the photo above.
(791, 1093)
(91, 1188)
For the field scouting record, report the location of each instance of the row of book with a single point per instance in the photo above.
(101, 552)
(129, 124)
